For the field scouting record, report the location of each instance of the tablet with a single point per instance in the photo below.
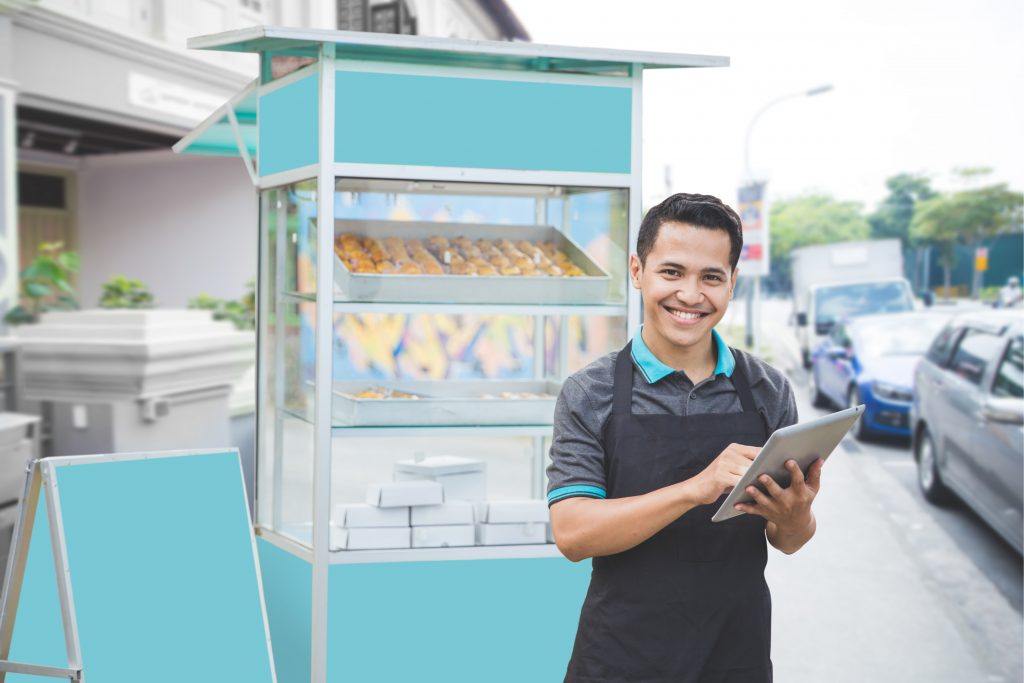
(804, 442)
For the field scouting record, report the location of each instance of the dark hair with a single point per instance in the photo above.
(699, 210)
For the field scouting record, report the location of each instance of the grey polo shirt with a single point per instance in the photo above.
(585, 404)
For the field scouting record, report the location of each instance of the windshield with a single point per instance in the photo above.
(897, 336)
(849, 301)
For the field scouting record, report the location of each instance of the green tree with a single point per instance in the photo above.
(893, 216)
(966, 217)
(808, 220)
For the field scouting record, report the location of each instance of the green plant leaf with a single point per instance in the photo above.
(19, 315)
(69, 260)
(38, 290)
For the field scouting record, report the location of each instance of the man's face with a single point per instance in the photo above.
(686, 283)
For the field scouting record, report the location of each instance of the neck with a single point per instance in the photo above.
(698, 360)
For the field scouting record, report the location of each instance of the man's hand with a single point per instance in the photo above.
(787, 510)
(723, 473)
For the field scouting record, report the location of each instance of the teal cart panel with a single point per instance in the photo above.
(38, 636)
(288, 591)
(289, 126)
(481, 123)
(163, 570)
(456, 621)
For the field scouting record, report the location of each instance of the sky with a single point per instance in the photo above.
(922, 87)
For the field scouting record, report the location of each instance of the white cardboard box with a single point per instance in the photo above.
(447, 536)
(448, 513)
(363, 516)
(510, 534)
(405, 493)
(515, 512)
(380, 538)
(462, 478)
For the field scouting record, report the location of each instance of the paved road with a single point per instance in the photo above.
(891, 588)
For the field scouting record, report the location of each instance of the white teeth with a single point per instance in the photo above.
(685, 316)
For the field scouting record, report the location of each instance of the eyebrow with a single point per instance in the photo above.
(679, 266)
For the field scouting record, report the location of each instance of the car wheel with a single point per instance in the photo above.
(818, 399)
(860, 431)
(928, 470)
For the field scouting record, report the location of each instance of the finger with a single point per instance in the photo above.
(814, 475)
(760, 498)
(774, 490)
(751, 510)
(796, 475)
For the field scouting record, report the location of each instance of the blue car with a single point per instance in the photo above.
(871, 360)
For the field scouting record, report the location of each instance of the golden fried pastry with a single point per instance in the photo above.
(386, 267)
(510, 270)
(410, 268)
(463, 269)
(365, 267)
(524, 263)
(486, 269)
(553, 270)
(500, 261)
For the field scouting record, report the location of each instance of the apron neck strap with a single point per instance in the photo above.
(742, 385)
(622, 389)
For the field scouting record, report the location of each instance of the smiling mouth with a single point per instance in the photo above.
(685, 316)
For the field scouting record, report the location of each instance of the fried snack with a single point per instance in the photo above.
(510, 270)
(386, 267)
(486, 269)
(464, 269)
(524, 263)
(365, 267)
(553, 270)
(410, 268)
(500, 261)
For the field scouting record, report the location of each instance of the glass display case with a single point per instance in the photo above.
(444, 236)
(458, 308)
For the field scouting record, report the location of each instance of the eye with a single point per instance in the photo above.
(671, 272)
(714, 278)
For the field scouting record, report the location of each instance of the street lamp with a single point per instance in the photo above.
(754, 293)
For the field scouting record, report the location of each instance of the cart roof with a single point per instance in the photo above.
(518, 56)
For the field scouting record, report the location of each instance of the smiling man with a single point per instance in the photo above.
(646, 443)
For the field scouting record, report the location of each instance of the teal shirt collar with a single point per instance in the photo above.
(654, 370)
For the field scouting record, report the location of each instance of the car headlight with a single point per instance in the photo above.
(892, 392)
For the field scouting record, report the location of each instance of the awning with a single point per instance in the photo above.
(229, 131)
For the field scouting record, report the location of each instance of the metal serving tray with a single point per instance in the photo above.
(451, 403)
(591, 288)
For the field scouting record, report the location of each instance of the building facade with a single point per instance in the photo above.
(94, 92)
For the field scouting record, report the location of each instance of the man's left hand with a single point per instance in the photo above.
(787, 510)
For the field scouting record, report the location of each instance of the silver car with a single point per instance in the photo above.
(967, 419)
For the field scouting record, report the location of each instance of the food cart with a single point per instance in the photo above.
(444, 235)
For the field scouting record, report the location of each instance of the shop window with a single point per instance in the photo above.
(42, 191)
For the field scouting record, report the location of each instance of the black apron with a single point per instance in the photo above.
(690, 604)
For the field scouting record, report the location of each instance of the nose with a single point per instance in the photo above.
(688, 292)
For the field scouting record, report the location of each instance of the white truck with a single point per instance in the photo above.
(837, 281)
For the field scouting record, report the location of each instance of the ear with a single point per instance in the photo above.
(635, 270)
(735, 275)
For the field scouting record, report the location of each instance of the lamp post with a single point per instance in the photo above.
(754, 293)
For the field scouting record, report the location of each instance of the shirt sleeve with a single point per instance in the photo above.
(577, 449)
(787, 400)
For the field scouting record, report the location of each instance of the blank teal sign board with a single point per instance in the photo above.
(481, 123)
(163, 573)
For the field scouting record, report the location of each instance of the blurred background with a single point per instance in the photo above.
(875, 151)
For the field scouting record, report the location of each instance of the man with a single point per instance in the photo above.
(646, 443)
(1010, 294)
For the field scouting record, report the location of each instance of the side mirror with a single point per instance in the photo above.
(1004, 411)
(801, 319)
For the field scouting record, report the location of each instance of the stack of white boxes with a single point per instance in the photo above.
(437, 502)
(464, 481)
(384, 520)
(513, 522)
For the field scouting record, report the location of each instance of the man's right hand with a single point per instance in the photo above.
(723, 473)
